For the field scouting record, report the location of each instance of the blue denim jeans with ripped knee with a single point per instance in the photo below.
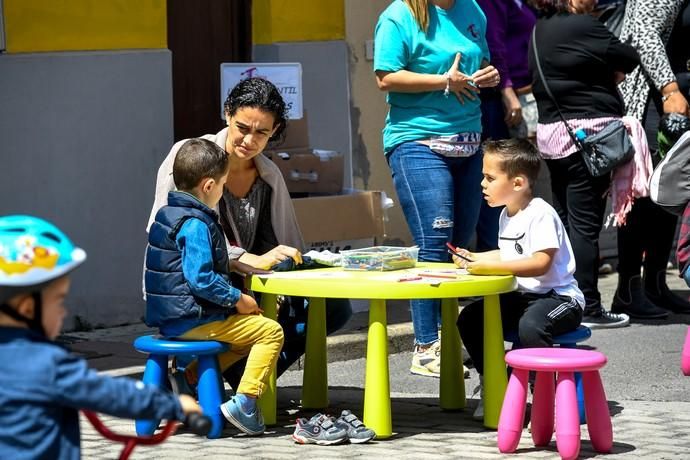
(440, 197)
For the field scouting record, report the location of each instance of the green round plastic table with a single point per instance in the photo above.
(377, 287)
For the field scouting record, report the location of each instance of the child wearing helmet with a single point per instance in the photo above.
(188, 292)
(42, 385)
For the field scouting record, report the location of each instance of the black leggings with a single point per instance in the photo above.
(580, 201)
(649, 230)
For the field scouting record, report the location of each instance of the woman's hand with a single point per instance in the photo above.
(460, 84)
(247, 305)
(676, 103)
(279, 254)
(511, 106)
(486, 77)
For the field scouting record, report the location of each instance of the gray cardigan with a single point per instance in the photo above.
(648, 23)
(283, 217)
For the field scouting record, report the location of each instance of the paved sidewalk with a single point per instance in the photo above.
(641, 430)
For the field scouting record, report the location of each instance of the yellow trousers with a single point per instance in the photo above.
(254, 336)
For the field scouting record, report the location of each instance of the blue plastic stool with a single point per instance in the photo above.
(210, 386)
(567, 340)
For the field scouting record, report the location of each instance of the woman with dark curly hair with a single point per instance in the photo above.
(256, 212)
(582, 61)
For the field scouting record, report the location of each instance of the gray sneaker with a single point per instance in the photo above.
(318, 430)
(357, 433)
(605, 320)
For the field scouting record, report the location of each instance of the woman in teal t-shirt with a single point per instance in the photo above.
(432, 58)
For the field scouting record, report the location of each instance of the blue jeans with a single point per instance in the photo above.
(686, 277)
(440, 198)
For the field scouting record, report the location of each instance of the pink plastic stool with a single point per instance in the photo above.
(685, 356)
(565, 362)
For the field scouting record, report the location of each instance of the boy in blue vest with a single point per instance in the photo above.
(188, 292)
(42, 385)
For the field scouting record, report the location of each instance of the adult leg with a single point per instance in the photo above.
(630, 297)
(659, 230)
(580, 198)
(423, 184)
(426, 186)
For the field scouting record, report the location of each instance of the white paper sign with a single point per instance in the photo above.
(287, 76)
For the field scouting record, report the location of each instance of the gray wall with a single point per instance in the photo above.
(81, 138)
(326, 88)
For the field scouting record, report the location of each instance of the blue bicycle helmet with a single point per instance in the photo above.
(33, 252)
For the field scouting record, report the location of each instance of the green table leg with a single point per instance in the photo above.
(452, 378)
(315, 380)
(268, 400)
(377, 394)
(495, 378)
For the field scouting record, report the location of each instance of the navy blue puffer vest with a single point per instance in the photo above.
(168, 296)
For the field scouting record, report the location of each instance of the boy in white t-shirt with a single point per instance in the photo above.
(533, 246)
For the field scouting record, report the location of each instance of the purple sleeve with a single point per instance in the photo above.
(496, 36)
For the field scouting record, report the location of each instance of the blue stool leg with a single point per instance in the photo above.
(211, 393)
(580, 391)
(155, 373)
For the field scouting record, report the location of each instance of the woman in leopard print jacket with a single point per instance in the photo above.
(648, 23)
(650, 90)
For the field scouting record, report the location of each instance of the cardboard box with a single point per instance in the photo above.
(296, 135)
(308, 170)
(342, 221)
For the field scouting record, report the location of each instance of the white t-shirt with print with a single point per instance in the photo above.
(533, 229)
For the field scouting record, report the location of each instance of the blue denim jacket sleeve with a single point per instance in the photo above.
(77, 386)
(194, 241)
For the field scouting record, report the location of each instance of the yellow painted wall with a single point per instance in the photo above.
(297, 21)
(74, 25)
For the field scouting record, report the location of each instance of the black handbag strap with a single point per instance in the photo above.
(548, 91)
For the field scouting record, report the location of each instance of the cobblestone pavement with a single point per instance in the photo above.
(641, 430)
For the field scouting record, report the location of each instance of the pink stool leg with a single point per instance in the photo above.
(513, 412)
(542, 409)
(567, 416)
(685, 357)
(597, 410)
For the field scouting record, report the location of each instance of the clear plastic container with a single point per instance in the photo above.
(380, 258)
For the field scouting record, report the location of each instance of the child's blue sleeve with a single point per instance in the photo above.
(77, 386)
(194, 241)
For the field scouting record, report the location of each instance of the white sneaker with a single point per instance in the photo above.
(479, 410)
(428, 362)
